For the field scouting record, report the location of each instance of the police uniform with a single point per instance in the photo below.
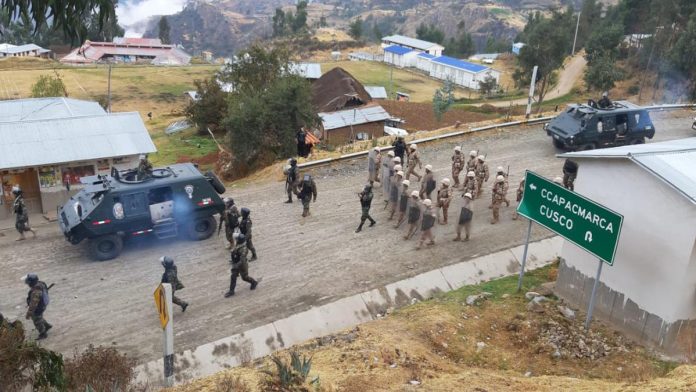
(291, 180)
(37, 306)
(413, 162)
(307, 191)
(170, 276)
(144, 169)
(403, 203)
(570, 172)
(444, 197)
(498, 198)
(240, 267)
(365, 204)
(245, 228)
(230, 219)
(21, 215)
(427, 224)
(457, 166)
(482, 174)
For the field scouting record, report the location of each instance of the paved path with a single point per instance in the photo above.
(303, 263)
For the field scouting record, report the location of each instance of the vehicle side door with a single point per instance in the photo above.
(136, 210)
(606, 128)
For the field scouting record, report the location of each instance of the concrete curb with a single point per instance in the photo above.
(345, 313)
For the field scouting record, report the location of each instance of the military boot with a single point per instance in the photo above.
(254, 283)
(359, 229)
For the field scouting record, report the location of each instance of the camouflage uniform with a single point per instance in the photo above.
(444, 197)
(307, 190)
(471, 164)
(470, 185)
(570, 172)
(365, 204)
(414, 215)
(481, 176)
(144, 169)
(170, 276)
(520, 193)
(21, 216)
(240, 267)
(37, 308)
(505, 191)
(466, 215)
(498, 199)
(230, 219)
(291, 181)
(245, 228)
(427, 224)
(413, 161)
(457, 166)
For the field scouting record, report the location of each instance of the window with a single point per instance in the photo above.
(362, 136)
(134, 204)
(72, 175)
(159, 195)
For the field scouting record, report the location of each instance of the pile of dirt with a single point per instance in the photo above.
(338, 90)
(420, 116)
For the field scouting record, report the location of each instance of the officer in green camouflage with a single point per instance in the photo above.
(245, 228)
(240, 266)
(21, 214)
(307, 190)
(37, 301)
(365, 203)
(230, 218)
(170, 276)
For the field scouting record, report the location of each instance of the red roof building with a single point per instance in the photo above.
(127, 50)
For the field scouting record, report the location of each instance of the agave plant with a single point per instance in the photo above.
(289, 376)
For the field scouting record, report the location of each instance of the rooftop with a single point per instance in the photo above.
(92, 52)
(46, 108)
(460, 64)
(72, 139)
(306, 70)
(357, 116)
(672, 162)
(411, 42)
(12, 49)
(426, 56)
(376, 92)
(398, 50)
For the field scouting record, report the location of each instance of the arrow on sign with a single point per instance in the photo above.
(532, 187)
(588, 236)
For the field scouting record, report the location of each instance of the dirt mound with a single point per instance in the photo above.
(337, 90)
(420, 116)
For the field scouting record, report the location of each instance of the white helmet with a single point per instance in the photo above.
(428, 168)
(427, 202)
(415, 194)
(500, 179)
(398, 168)
(413, 146)
(468, 194)
(376, 149)
(472, 153)
(457, 149)
(481, 158)
(400, 173)
(500, 169)
(471, 174)
(390, 153)
(445, 181)
(558, 180)
(396, 159)
(405, 182)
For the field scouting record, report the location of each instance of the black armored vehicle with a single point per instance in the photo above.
(167, 201)
(586, 127)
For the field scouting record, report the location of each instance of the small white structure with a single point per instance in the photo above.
(461, 72)
(414, 44)
(650, 291)
(517, 47)
(376, 92)
(400, 56)
(310, 71)
(424, 62)
(28, 50)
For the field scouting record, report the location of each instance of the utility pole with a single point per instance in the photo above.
(391, 80)
(531, 92)
(577, 26)
(108, 93)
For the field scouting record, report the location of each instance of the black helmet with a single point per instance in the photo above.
(30, 279)
(293, 161)
(368, 187)
(166, 261)
(228, 201)
(16, 190)
(245, 211)
(241, 238)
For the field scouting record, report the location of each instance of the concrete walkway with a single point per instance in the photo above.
(34, 219)
(345, 313)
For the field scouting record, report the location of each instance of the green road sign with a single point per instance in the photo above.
(581, 221)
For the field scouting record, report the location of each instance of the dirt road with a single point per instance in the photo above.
(567, 78)
(302, 262)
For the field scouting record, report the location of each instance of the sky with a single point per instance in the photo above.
(130, 12)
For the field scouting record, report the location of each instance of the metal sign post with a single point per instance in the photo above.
(530, 99)
(524, 255)
(163, 301)
(590, 308)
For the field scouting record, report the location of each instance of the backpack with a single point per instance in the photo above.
(44, 296)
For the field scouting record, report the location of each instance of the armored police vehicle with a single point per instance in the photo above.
(163, 203)
(586, 127)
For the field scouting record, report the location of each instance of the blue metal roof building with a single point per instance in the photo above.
(460, 64)
(398, 50)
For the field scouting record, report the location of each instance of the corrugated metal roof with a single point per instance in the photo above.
(408, 41)
(357, 116)
(23, 48)
(398, 50)
(674, 162)
(56, 141)
(376, 92)
(92, 52)
(46, 108)
(460, 64)
(426, 56)
(6, 46)
(306, 70)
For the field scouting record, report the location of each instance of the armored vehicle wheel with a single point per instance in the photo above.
(638, 141)
(589, 146)
(558, 144)
(215, 182)
(201, 228)
(106, 247)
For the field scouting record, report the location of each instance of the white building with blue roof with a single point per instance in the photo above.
(460, 72)
(400, 56)
(417, 45)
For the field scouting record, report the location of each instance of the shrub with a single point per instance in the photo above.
(289, 377)
(100, 369)
(634, 90)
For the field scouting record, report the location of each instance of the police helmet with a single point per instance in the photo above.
(472, 153)
(457, 149)
(16, 190)
(400, 173)
(245, 211)
(500, 169)
(390, 153)
(368, 187)
(413, 146)
(166, 261)
(398, 168)
(429, 168)
(471, 174)
(30, 279)
(406, 182)
(445, 181)
(427, 202)
(415, 194)
(228, 201)
(397, 159)
(241, 238)
(468, 194)
(481, 158)
(500, 179)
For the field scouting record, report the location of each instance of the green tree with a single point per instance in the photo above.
(590, 15)
(548, 42)
(430, 33)
(211, 106)
(322, 21)
(683, 54)
(355, 29)
(68, 16)
(487, 85)
(256, 69)
(49, 86)
(105, 32)
(377, 32)
(462, 45)
(602, 74)
(279, 23)
(604, 41)
(164, 30)
(443, 99)
(300, 21)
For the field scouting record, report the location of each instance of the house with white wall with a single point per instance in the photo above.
(424, 62)
(460, 72)
(415, 44)
(649, 292)
(400, 56)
